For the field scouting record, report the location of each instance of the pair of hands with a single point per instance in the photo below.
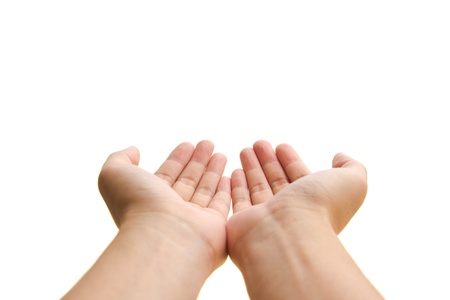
(189, 198)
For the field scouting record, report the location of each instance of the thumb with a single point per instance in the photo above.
(341, 160)
(130, 155)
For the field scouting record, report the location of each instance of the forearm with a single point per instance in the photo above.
(141, 263)
(315, 266)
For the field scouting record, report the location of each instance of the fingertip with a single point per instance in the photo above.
(207, 142)
(283, 146)
(133, 154)
(132, 149)
(246, 150)
(260, 142)
(185, 146)
(342, 160)
(248, 158)
(260, 145)
(237, 173)
(286, 153)
(128, 155)
(221, 156)
(226, 177)
(238, 179)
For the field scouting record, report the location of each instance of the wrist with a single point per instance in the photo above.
(173, 262)
(275, 250)
(177, 230)
(140, 260)
(273, 224)
(285, 252)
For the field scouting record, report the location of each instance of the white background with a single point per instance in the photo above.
(82, 79)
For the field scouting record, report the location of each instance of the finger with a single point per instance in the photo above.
(292, 164)
(207, 187)
(111, 177)
(272, 168)
(342, 160)
(240, 195)
(175, 163)
(260, 190)
(222, 199)
(128, 156)
(189, 178)
(113, 165)
(354, 175)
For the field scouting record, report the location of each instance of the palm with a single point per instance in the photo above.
(337, 192)
(188, 187)
(204, 197)
(278, 181)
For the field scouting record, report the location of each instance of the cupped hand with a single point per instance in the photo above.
(276, 188)
(188, 196)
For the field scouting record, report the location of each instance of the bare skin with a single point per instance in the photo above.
(172, 226)
(283, 232)
(173, 229)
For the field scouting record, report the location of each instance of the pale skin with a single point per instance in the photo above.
(283, 233)
(172, 226)
(173, 230)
